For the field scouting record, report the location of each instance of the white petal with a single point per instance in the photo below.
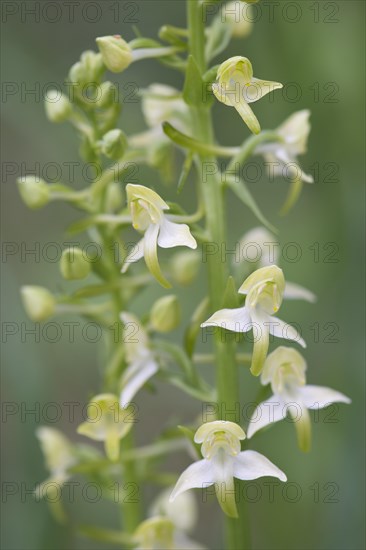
(251, 465)
(134, 378)
(268, 412)
(318, 397)
(258, 89)
(175, 234)
(136, 254)
(236, 320)
(294, 291)
(280, 329)
(198, 475)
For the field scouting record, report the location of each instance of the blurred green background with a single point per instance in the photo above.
(322, 50)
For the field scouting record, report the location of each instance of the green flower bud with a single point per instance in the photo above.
(88, 69)
(107, 95)
(114, 199)
(116, 53)
(58, 106)
(34, 191)
(185, 266)
(114, 144)
(74, 265)
(165, 314)
(38, 302)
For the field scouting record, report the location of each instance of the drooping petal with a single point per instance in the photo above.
(261, 341)
(294, 291)
(136, 254)
(151, 256)
(134, 378)
(280, 329)
(302, 421)
(268, 412)
(246, 113)
(112, 445)
(236, 320)
(200, 474)
(252, 465)
(318, 397)
(223, 464)
(175, 234)
(259, 88)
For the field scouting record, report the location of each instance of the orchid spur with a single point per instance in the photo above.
(223, 461)
(148, 215)
(264, 292)
(285, 369)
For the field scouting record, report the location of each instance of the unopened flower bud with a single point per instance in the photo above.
(107, 94)
(88, 69)
(165, 314)
(114, 144)
(74, 265)
(38, 302)
(58, 106)
(238, 15)
(114, 199)
(116, 53)
(34, 191)
(185, 266)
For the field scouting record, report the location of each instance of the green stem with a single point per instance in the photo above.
(227, 371)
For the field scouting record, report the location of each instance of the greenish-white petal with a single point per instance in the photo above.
(252, 465)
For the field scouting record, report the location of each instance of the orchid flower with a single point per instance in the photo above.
(285, 369)
(59, 457)
(160, 103)
(160, 533)
(260, 248)
(182, 515)
(264, 292)
(107, 422)
(147, 210)
(236, 87)
(223, 462)
(294, 133)
(141, 364)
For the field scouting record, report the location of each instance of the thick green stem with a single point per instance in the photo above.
(212, 189)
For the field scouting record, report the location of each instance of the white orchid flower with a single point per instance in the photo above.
(160, 533)
(160, 103)
(236, 87)
(182, 512)
(107, 422)
(283, 154)
(148, 215)
(260, 248)
(59, 457)
(285, 369)
(223, 461)
(264, 292)
(141, 364)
